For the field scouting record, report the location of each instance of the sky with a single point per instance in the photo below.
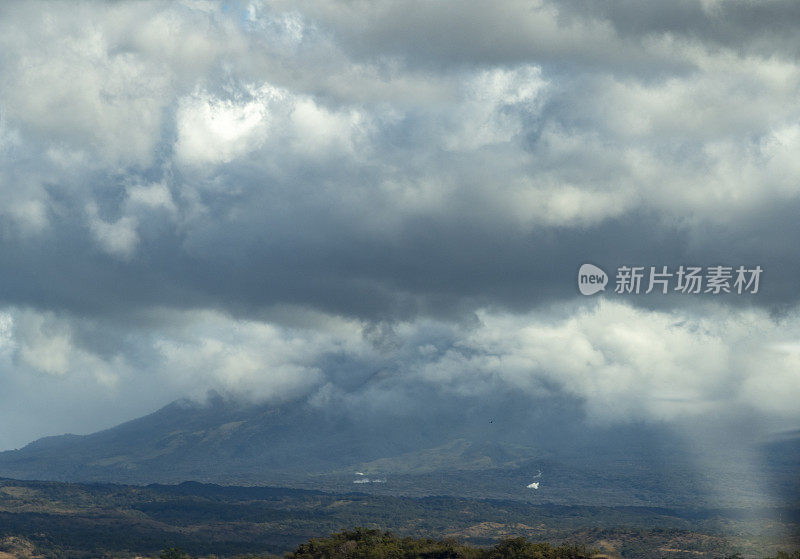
(351, 202)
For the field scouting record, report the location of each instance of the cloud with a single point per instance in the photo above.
(89, 365)
(247, 359)
(626, 363)
(614, 361)
(424, 182)
(215, 131)
(153, 196)
(67, 82)
(118, 238)
(46, 352)
(44, 343)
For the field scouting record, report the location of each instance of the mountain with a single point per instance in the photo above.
(470, 448)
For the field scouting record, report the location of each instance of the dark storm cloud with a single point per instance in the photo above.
(757, 28)
(433, 265)
(606, 36)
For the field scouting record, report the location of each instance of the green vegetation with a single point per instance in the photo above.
(87, 521)
(374, 544)
(365, 543)
(173, 553)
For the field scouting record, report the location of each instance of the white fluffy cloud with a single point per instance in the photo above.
(630, 363)
(212, 130)
(108, 85)
(252, 360)
(44, 343)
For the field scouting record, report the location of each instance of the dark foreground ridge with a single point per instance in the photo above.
(70, 520)
(375, 543)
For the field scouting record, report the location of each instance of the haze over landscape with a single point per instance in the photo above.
(279, 243)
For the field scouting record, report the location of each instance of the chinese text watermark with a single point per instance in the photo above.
(712, 280)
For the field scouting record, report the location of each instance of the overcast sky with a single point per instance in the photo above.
(278, 199)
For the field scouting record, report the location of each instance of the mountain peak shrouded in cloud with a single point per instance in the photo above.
(381, 208)
(543, 452)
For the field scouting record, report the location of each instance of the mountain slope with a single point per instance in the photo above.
(443, 451)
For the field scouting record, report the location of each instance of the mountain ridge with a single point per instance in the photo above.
(300, 444)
